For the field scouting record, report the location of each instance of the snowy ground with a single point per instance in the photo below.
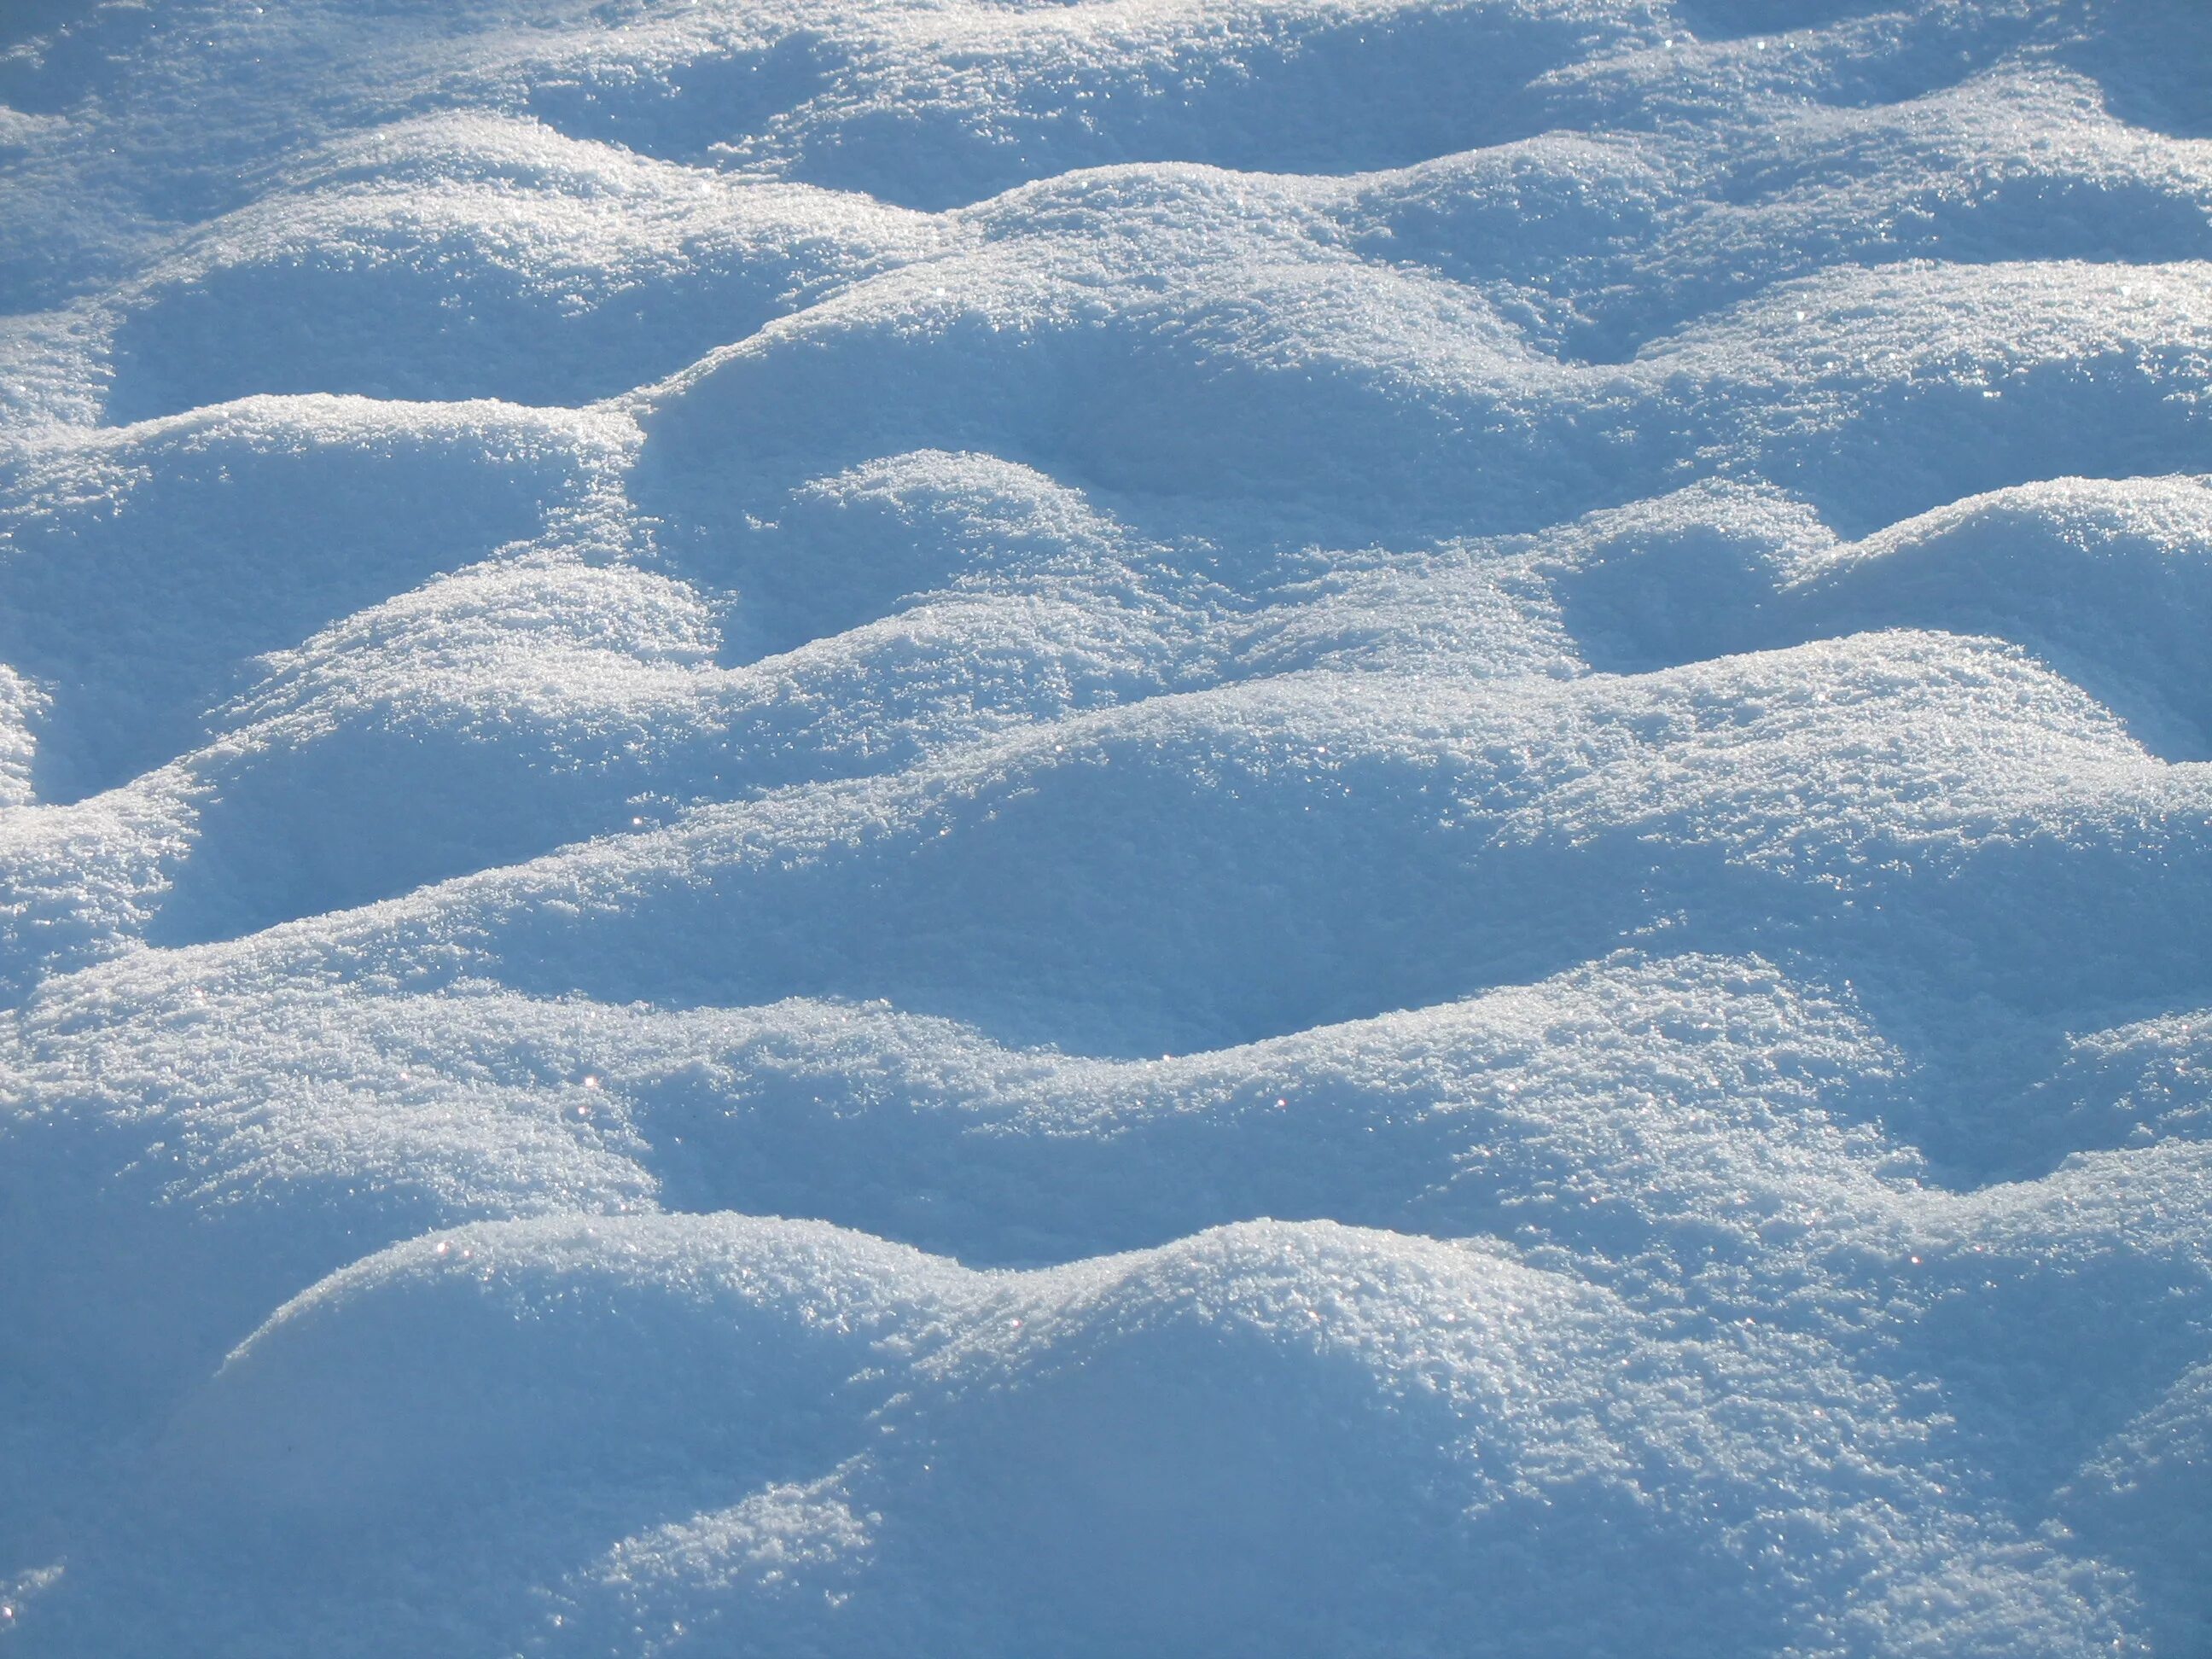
(973, 827)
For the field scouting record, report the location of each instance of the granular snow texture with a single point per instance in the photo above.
(974, 828)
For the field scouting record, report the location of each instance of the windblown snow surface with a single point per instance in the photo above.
(975, 827)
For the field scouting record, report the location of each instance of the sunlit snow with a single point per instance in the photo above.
(1144, 827)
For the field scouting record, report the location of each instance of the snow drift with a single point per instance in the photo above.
(1351, 826)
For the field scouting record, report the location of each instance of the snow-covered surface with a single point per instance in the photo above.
(1154, 826)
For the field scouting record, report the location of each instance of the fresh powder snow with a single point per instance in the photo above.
(986, 828)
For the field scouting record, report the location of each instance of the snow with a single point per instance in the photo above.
(1338, 827)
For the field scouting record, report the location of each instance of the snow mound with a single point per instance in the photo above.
(1351, 826)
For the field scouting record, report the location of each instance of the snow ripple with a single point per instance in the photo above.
(1429, 774)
